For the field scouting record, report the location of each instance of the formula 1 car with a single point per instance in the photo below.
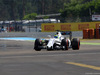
(58, 42)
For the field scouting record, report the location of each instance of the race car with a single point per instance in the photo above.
(58, 42)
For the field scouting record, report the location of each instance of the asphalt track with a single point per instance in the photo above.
(19, 58)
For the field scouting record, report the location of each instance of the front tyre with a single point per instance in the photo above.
(65, 44)
(37, 44)
(75, 44)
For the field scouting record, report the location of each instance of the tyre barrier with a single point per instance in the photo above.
(91, 33)
(85, 33)
(98, 33)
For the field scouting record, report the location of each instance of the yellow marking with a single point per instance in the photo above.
(84, 65)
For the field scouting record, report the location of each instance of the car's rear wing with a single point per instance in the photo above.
(67, 33)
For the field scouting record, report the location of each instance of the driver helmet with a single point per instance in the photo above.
(55, 36)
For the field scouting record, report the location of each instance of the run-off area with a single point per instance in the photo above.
(19, 58)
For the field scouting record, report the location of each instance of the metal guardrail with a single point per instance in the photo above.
(25, 25)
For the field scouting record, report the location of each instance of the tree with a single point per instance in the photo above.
(80, 9)
(76, 9)
(31, 16)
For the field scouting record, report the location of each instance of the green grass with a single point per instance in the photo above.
(88, 39)
(86, 43)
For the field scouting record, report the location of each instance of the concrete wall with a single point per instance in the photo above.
(36, 34)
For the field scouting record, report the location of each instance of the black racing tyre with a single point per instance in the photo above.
(75, 44)
(65, 43)
(37, 44)
(49, 49)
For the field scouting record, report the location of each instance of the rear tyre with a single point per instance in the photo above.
(75, 44)
(65, 44)
(37, 44)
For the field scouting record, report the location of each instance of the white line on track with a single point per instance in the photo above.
(42, 55)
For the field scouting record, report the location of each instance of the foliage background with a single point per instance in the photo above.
(71, 10)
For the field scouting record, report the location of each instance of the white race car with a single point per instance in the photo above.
(58, 42)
